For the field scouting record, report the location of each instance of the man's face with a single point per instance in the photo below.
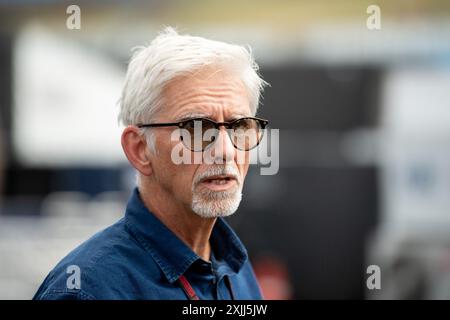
(210, 190)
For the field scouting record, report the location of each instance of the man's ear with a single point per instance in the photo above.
(135, 147)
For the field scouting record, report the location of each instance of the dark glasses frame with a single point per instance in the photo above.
(228, 125)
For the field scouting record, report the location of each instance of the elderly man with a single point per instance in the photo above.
(185, 98)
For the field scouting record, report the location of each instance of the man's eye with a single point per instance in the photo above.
(242, 124)
(189, 124)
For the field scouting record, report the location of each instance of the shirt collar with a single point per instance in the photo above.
(170, 253)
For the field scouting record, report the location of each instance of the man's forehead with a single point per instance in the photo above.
(208, 98)
(207, 79)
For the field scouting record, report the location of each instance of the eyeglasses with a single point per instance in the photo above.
(245, 133)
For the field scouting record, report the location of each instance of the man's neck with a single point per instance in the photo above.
(192, 229)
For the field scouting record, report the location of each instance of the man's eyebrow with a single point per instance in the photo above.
(237, 116)
(240, 115)
(192, 115)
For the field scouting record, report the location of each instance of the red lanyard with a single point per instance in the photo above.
(187, 288)
(190, 292)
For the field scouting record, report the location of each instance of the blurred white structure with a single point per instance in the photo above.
(66, 98)
(31, 246)
(412, 244)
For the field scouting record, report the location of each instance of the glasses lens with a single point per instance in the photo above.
(199, 134)
(246, 134)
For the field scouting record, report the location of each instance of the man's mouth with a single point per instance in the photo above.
(219, 182)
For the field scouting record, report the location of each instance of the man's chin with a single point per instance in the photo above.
(214, 208)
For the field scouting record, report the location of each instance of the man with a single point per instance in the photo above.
(185, 98)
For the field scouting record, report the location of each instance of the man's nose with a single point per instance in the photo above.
(224, 150)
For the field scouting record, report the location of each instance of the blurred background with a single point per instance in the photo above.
(364, 119)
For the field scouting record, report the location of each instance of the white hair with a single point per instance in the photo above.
(171, 55)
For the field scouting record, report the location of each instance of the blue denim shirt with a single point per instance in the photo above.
(138, 257)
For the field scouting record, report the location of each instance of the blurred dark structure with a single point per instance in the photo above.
(317, 212)
(5, 102)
